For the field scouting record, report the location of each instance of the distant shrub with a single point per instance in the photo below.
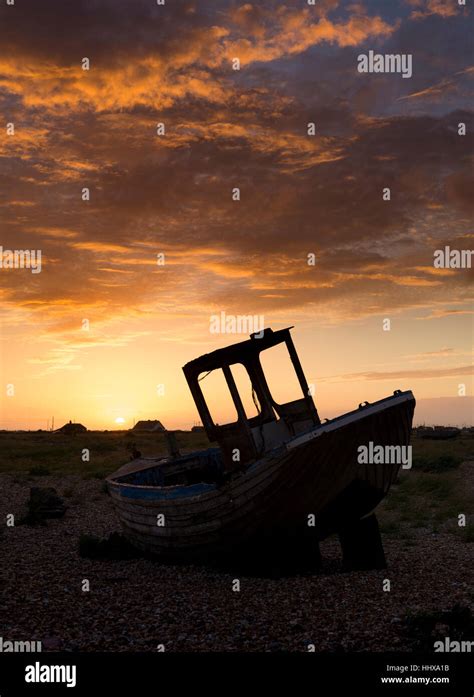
(443, 463)
(99, 447)
(39, 471)
(439, 488)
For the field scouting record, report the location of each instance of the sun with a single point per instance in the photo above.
(119, 420)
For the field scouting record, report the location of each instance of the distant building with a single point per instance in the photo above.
(197, 429)
(151, 426)
(71, 429)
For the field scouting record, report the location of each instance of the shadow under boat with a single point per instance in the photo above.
(277, 483)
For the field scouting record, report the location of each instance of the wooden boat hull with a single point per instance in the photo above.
(314, 478)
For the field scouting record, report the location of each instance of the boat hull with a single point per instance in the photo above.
(307, 489)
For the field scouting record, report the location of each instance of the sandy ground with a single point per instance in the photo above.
(136, 605)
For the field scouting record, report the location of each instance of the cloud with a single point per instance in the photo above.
(300, 194)
(441, 8)
(418, 374)
(160, 56)
(456, 86)
(428, 354)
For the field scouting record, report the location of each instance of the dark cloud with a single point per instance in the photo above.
(226, 129)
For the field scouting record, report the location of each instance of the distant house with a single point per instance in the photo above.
(71, 429)
(197, 429)
(151, 426)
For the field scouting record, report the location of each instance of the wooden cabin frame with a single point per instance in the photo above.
(252, 437)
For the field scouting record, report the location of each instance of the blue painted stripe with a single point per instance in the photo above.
(158, 493)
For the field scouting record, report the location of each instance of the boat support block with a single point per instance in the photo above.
(362, 545)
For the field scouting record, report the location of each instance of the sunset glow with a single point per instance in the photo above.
(132, 272)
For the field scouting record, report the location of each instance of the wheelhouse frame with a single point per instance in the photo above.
(247, 439)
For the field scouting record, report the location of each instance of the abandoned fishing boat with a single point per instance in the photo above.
(277, 483)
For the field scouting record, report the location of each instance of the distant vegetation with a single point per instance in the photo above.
(430, 496)
(434, 492)
(42, 453)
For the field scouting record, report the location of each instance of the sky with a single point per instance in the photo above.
(131, 277)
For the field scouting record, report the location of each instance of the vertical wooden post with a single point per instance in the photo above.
(301, 377)
(362, 545)
(172, 444)
(238, 404)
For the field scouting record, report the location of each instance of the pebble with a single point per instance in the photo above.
(137, 604)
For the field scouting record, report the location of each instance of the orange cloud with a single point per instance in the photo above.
(184, 72)
(433, 7)
(419, 374)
